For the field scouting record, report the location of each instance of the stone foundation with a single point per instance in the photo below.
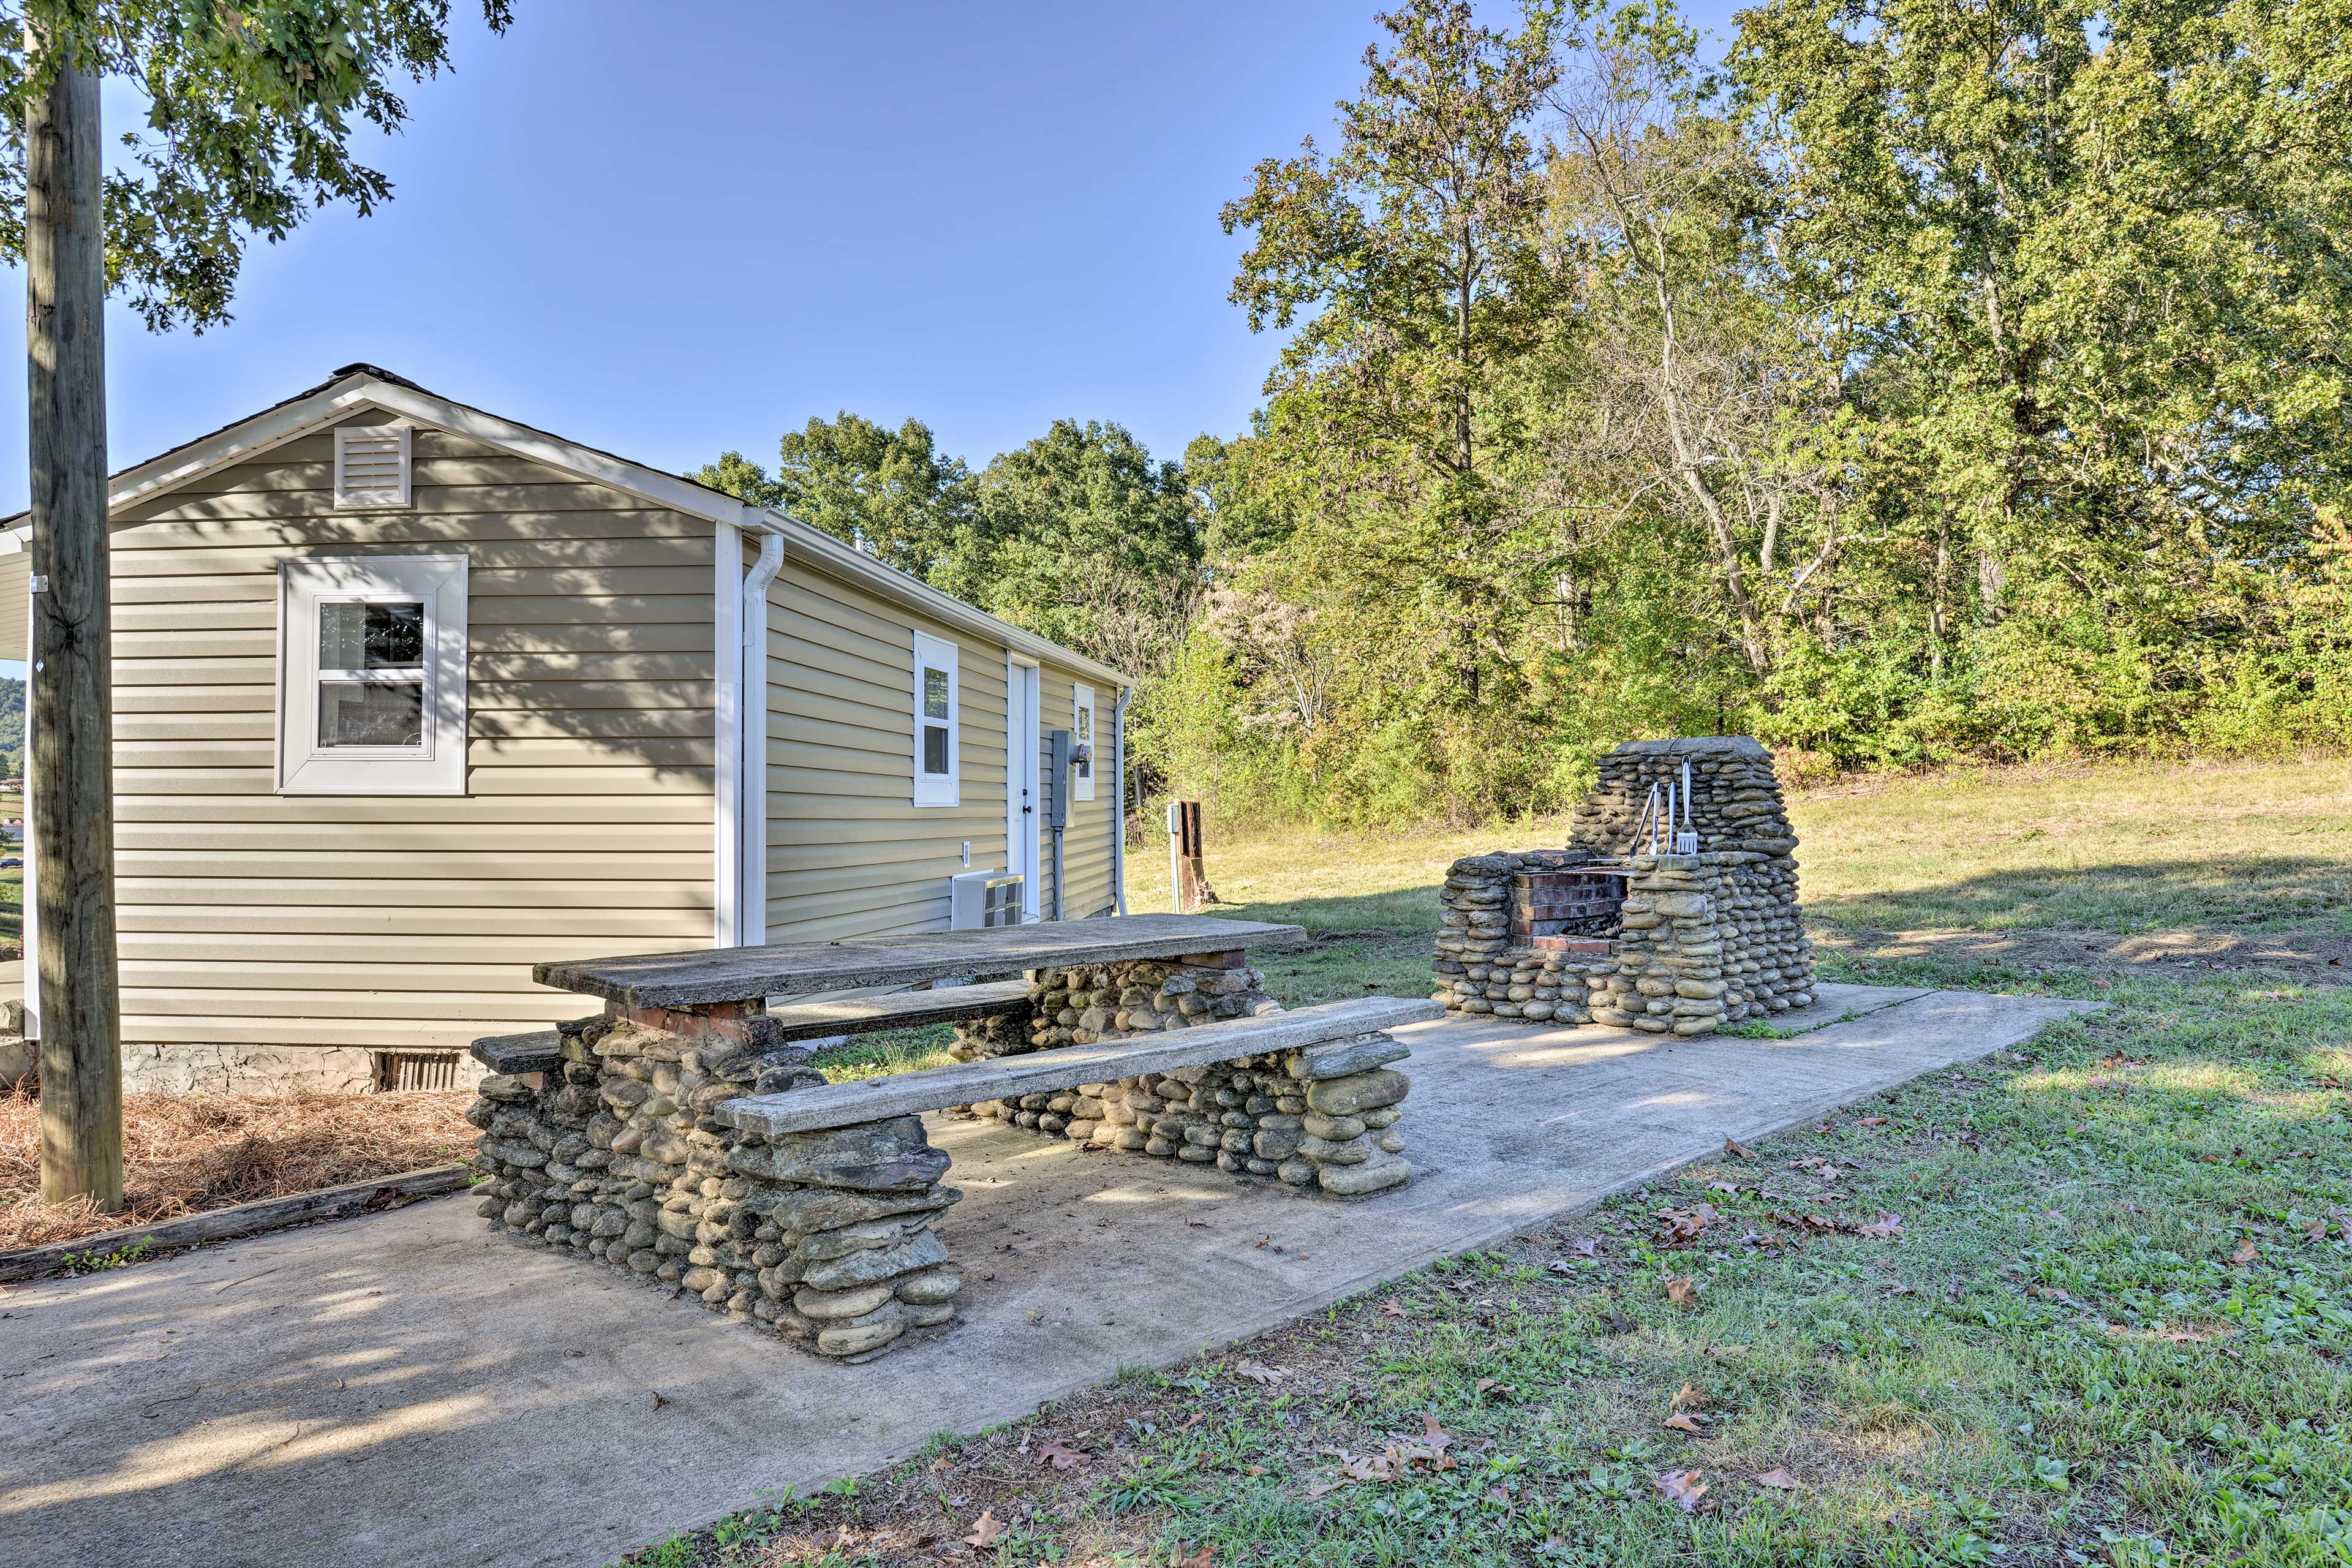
(824, 1237)
(1701, 940)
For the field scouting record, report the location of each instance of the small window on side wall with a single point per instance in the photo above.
(1082, 742)
(938, 751)
(372, 675)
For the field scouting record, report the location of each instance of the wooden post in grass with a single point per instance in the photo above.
(1188, 875)
(69, 771)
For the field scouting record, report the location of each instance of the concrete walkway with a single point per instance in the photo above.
(406, 1389)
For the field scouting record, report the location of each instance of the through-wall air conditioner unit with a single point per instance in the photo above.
(980, 899)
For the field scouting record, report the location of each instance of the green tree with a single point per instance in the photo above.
(1083, 537)
(741, 477)
(1410, 268)
(892, 493)
(2095, 254)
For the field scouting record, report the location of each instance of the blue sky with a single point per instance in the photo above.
(666, 230)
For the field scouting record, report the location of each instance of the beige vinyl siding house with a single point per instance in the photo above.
(622, 770)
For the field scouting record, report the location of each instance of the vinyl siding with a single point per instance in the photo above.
(252, 918)
(848, 852)
(1085, 844)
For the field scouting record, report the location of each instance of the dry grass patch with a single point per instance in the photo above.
(186, 1153)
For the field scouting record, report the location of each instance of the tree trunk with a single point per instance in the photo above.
(70, 769)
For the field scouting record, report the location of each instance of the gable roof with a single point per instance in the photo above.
(358, 386)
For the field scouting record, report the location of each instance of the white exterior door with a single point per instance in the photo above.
(1023, 803)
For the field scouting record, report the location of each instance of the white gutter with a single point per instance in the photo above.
(751, 898)
(1118, 801)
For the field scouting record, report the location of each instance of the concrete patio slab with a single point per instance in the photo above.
(387, 1391)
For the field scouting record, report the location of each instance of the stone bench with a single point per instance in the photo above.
(540, 1051)
(731, 1169)
(898, 1010)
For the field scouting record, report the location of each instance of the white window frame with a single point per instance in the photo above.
(1084, 730)
(939, 789)
(437, 765)
(392, 498)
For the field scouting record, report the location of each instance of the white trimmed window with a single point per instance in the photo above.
(370, 467)
(937, 752)
(1082, 740)
(371, 667)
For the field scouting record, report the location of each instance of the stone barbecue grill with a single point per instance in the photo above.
(1597, 933)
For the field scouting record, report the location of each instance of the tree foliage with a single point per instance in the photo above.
(250, 110)
(1926, 380)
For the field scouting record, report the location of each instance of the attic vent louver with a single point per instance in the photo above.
(372, 466)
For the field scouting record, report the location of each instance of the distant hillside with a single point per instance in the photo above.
(12, 721)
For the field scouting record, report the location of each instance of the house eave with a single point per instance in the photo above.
(359, 388)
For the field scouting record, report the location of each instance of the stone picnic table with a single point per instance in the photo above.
(683, 1135)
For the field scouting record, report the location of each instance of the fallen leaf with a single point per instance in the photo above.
(1500, 1389)
(1319, 1488)
(942, 1465)
(1689, 1398)
(2247, 1252)
(984, 1530)
(1369, 1467)
(1886, 1225)
(1265, 1241)
(1437, 1438)
(1062, 1457)
(1391, 1310)
(1777, 1477)
(1874, 1121)
(1258, 1373)
(1204, 1558)
(1683, 1292)
(1723, 1186)
(658, 1400)
(1586, 1247)
(1683, 1489)
(1681, 1422)
(1197, 1224)
(1733, 1146)
(2315, 1228)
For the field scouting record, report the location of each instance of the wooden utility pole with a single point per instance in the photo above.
(70, 769)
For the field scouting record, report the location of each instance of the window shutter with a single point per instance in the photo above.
(372, 466)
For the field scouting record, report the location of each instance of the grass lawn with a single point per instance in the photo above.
(2088, 1302)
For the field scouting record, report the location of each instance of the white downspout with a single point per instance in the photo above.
(1119, 799)
(751, 667)
(727, 737)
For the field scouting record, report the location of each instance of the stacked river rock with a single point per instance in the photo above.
(824, 1236)
(1711, 938)
(1483, 967)
(1324, 1118)
(1079, 1007)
